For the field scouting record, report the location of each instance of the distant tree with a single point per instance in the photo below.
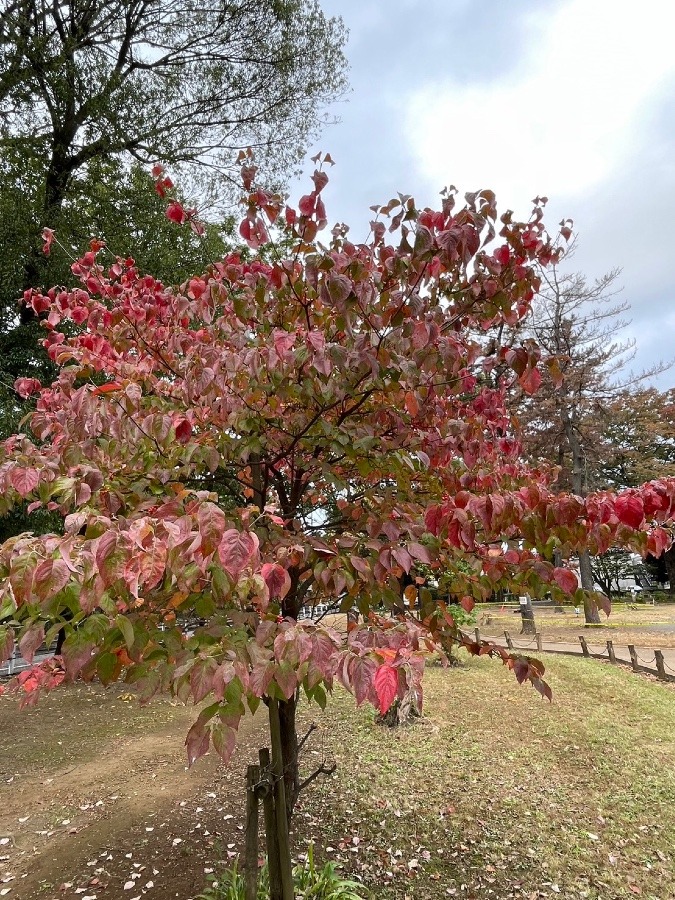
(638, 438)
(575, 323)
(162, 80)
(86, 84)
(610, 569)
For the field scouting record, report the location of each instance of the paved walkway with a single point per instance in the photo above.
(646, 658)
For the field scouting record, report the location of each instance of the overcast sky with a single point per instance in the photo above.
(572, 99)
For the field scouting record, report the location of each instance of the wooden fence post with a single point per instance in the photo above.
(660, 665)
(538, 637)
(509, 642)
(476, 632)
(633, 657)
(610, 651)
(251, 859)
(584, 645)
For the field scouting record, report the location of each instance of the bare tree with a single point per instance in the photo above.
(577, 322)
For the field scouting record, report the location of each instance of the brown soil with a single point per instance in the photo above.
(113, 803)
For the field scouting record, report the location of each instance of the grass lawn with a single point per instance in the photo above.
(496, 793)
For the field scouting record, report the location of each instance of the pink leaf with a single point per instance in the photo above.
(277, 579)
(307, 204)
(211, 520)
(24, 481)
(236, 550)
(26, 386)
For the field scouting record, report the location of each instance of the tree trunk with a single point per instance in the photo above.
(289, 750)
(591, 611)
(527, 614)
(57, 180)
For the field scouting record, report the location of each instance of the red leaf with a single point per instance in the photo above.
(362, 673)
(530, 381)
(107, 388)
(630, 510)
(197, 742)
(236, 549)
(183, 431)
(31, 640)
(201, 678)
(277, 579)
(467, 603)
(386, 686)
(212, 523)
(176, 213)
(566, 580)
(224, 739)
(6, 644)
(411, 404)
(51, 576)
(420, 552)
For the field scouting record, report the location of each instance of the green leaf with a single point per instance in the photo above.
(127, 630)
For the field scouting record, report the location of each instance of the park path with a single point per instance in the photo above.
(646, 658)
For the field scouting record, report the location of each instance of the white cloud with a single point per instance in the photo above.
(564, 119)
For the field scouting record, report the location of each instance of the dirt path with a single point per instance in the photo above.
(112, 813)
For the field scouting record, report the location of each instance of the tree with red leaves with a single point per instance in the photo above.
(323, 427)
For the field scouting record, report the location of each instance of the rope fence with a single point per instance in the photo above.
(652, 662)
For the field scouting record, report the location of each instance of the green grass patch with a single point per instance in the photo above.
(496, 793)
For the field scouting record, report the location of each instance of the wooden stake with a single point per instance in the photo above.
(610, 651)
(509, 642)
(584, 645)
(660, 665)
(251, 858)
(270, 827)
(633, 657)
(283, 839)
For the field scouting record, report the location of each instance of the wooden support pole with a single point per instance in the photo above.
(538, 637)
(251, 858)
(633, 657)
(660, 665)
(283, 839)
(584, 645)
(509, 642)
(610, 651)
(270, 827)
(476, 632)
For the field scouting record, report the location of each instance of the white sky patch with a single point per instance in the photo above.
(564, 118)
